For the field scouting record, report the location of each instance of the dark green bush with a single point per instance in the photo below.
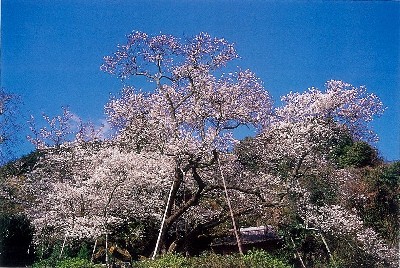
(167, 261)
(262, 259)
(356, 154)
(76, 263)
(253, 259)
(211, 260)
(66, 263)
(84, 252)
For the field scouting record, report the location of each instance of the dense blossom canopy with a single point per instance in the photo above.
(175, 137)
(309, 125)
(193, 107)
(83, 191)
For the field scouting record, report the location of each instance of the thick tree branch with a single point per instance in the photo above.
(176, 184)
(192, 201)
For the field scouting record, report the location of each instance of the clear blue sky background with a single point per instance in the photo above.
(52, 49)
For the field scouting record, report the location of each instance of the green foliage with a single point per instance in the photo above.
(49, 256)
(252, 259)
(383, 206)
(84, 252)
(355, 154)
(44, 263)
(75, 263)
(259, 258)
(166, 261)
(360, 154)
(217, 261)
(66, 263)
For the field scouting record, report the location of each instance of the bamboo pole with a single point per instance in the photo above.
(327, 249)
(94, 250)
(162, 223)
(107, 249)
(62, 247)
(297, 253)
(239, 242)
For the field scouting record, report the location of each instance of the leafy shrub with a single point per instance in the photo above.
(356, 154)
(212, 260)
(84, 252)
(166, 261)
(260, 258)
(76, 263)
(66, 263)
(253, 259)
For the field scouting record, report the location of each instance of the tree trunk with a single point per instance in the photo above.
(173, 216)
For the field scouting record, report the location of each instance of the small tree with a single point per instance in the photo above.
(8, 125)
(84, 191)
(358, 154)
(63, 128)
(297, 147)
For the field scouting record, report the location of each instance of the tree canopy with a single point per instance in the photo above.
(174, 152)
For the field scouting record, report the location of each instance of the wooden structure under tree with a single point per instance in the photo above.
(261, 237)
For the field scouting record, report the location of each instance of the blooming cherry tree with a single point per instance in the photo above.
(175, 137)
(63, 128)
(170, 135)
(189, 110)
(84, 191)
(339, 221)
(308, 125)
(297, 147)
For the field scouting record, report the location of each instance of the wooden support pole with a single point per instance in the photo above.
(239, 242)
(162, 224)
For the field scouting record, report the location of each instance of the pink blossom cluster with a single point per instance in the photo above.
(191, 110)
(84, 191)
(308, 125)
(349, 107)
(337, 220)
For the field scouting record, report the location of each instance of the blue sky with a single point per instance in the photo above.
(52, 49)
